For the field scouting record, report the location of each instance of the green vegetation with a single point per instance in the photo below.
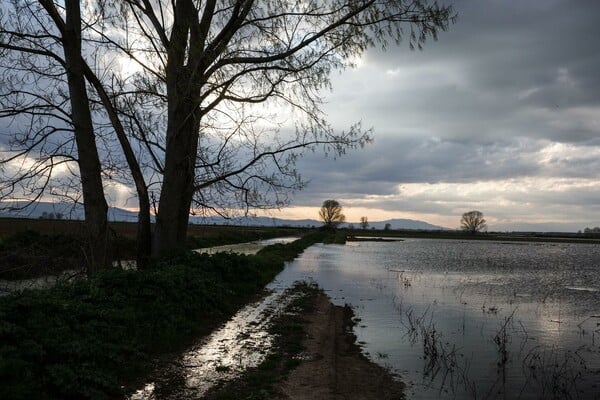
(26, 254)
(31, 253)
(337, 237)
(87, 338)
(289, 331)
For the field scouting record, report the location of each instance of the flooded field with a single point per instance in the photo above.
(47, 281)
(469, 319)
(454, 319)
(43, 282)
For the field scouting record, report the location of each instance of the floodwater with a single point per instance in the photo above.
(470, 319)
(48, 281)
(248, 248)
(241, 343)
(9, 286)
(454, 319)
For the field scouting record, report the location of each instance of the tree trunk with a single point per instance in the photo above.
(183, 91)
(178, 182)
(144, 234)
(96, 223)
(144, 227)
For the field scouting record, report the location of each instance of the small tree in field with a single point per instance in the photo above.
(364, 222)
(473, 222)
(331, 213)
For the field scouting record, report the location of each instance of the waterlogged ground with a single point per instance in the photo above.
(47, 281)
(455, 319)
(248, 248)
(43, 282)
(469, 319)
(243, 342)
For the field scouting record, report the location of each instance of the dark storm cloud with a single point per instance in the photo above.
(504, 68)
(381, 167)
(511, 93)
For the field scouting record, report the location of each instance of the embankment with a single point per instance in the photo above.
(89, 338)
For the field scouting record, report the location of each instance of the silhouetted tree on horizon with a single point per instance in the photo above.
(364, 222)
(331, 213)
(473, 221)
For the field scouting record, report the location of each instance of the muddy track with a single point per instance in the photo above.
(334, 367)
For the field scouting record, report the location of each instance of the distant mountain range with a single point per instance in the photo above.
(69, 211)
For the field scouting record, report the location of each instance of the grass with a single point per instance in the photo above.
(88, 338)
(337, 237)
(28, 254)
(9, 226)
(31, 253)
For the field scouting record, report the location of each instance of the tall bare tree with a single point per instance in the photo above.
(216, 62)
(34, 30)
(54, 37)
(196, 115)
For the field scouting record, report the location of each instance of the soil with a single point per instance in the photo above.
(334, 367)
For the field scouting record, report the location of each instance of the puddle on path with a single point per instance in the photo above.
(248, 248)
(241, 343)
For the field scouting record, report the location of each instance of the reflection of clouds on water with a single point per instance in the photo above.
(460, 295)
(248, 248)
(465, 292)
(241, 343)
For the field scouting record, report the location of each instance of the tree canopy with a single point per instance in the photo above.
(364, 222)
(200, 105)
(331, 213)
(473, 221)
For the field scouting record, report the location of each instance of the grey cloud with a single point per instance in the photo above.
(513, 58)
(509, 79)
(380, 167)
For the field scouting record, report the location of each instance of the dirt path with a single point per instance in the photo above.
(335, 368)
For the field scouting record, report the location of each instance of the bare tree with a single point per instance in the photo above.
(331, 213)
(364, 222)
(48, 49)
(206, 72)
(34, 34)
(473, 222)
(217, 65)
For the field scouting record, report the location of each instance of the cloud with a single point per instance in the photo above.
(501, 112)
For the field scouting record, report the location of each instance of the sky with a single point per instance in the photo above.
(500, 115)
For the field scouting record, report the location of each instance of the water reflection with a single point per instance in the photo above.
(471, 319)
(241, 343)
(44, 282)
(464, 320)
(248, 248)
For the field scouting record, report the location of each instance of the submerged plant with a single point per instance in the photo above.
(502, 339)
